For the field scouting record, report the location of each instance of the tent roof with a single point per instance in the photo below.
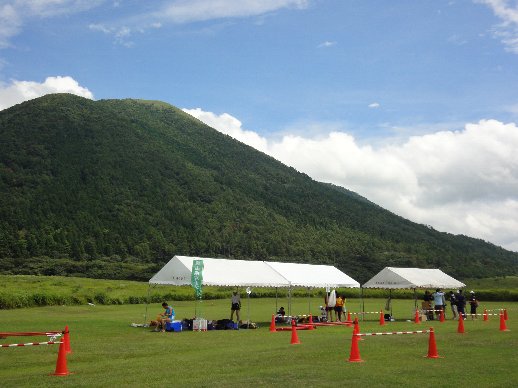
(219, 272)
(391, 277)
(309, 275)
(224, 272)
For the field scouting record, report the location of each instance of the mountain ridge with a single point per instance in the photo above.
(103, 186)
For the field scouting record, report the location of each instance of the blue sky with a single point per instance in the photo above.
(412, 104)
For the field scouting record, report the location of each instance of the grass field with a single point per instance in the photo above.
(107, 351)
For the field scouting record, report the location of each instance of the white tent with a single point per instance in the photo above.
(220, 272)
(309, 275)
(398, 278)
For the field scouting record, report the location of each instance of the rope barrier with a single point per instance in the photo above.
(392, 333)
(31, 344)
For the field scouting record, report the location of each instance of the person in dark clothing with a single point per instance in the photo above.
(453, 304)
(461, 304)
(473, 302)
(427, 305)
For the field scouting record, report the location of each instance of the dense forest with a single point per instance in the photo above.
(114, 188)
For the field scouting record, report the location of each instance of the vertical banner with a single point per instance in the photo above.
(196, 282)
(197, 277)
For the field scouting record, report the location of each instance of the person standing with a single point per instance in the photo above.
(439, 301)
(236, 306)
(461, 304)
(473, 302)
(427, 305)
(453, 303)
(339, 308)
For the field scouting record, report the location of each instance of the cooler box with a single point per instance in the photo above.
(173, 326)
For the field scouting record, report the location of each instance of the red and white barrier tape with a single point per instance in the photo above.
(30, 344)
(392, 333)
(30, 334)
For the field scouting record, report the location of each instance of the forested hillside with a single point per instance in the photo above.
(114, 188)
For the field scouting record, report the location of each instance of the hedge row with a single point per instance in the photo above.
(21, 300)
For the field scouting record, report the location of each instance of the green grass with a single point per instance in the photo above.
(108, 352)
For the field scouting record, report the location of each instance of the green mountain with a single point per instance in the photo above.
(114, 188)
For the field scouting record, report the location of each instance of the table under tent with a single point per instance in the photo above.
(248, 273)
(393, 278)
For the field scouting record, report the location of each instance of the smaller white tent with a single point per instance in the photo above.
(219, 272)
(399, 278)
(311, 275)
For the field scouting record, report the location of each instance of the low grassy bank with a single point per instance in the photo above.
(18, 291)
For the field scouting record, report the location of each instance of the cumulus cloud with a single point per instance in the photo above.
(19, 91)
(507, 30)
(231, 126)
(374, 105)
(462, 182)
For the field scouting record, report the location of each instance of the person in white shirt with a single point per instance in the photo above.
(236, 306)
(439, 301)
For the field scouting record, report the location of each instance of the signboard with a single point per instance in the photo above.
(197, 277)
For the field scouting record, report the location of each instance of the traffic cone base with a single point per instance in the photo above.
(61, 364)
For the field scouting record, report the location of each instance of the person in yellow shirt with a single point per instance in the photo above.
(339, 307)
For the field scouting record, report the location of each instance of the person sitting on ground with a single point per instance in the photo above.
(281, 311)
(166, 316)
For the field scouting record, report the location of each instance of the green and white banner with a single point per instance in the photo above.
(197, 277)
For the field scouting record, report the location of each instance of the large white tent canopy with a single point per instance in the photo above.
(310, 275)
(399, 278)
(224, 272)
(219, 272)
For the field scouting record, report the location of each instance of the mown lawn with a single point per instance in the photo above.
(107, 351)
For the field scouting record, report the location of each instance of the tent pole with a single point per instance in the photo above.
(362, 303)
(276, 307)
(309, 302)
(147, 302)
(415, 300)
(289, 301)
(390, 296)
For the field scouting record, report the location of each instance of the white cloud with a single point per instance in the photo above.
(326, 44)
(184, 11)
(15, 13)
(231, 126)
(374, 105)
(462, 182)
(507, 31)
(20, 91)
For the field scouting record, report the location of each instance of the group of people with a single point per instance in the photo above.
(457, 303)
(334, 304)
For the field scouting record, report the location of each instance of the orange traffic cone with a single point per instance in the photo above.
(416, 318)
(441, 317)
(503, 326)
(354, 356)
(460, 328)
(432, 347)
(294, 335)
(349, 316)
(382, 318)
(485, 315)
(272, 324)
(66, 339)
(505, 314)
(61, 364)
(311, 327)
